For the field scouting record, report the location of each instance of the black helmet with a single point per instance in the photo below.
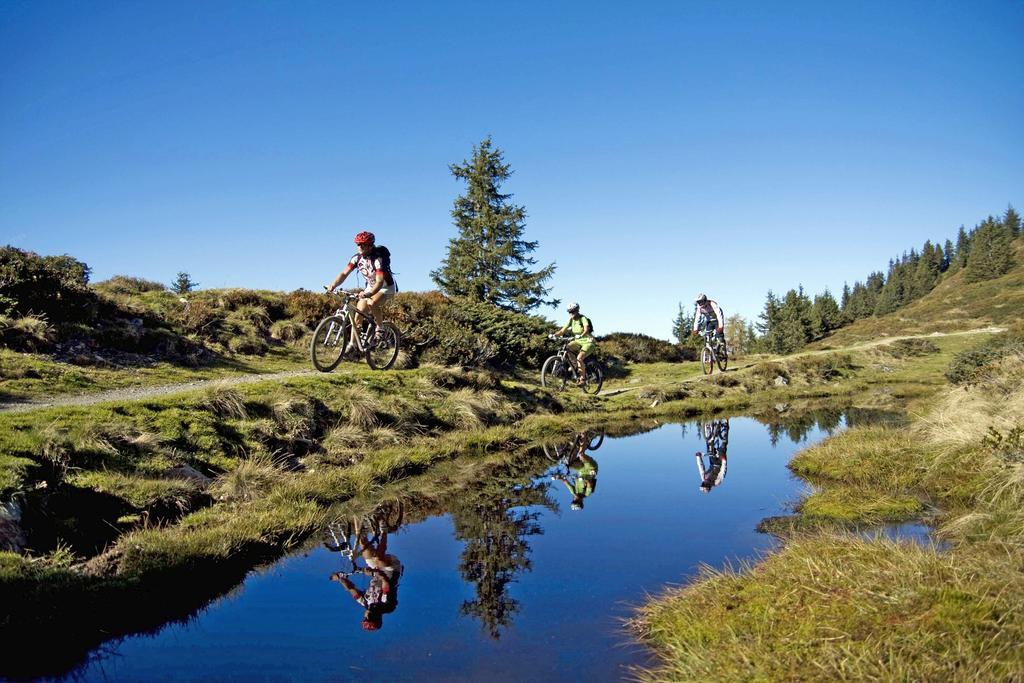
(573, 307)
(702, 298)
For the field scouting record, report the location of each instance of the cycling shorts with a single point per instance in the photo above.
(386, 293)
(584, 344)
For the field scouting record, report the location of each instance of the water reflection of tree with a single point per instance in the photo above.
(494, 522)
(797, 426)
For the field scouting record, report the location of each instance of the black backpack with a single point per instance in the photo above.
(384, 254)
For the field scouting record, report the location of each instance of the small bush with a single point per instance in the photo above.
(248, 344)
(124, 285)
(968, 365)
(309, 308)
(53, 286)
(640, 348)
(910, 348)
(288, 330)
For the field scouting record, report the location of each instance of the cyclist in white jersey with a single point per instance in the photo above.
(708, 315)
(374, 264)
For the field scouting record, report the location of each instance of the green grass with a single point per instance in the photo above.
(832, 607)
(829, 606)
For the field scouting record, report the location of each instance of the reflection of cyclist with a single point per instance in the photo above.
(716, 439)
(707, 315)
(374, 264)
(381, 595)
(584, 343)
(583, 479)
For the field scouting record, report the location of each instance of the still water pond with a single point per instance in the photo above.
(506, 581)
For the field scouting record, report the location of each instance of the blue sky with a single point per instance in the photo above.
(660, 148)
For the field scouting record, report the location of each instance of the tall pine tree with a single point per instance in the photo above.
(489, 260)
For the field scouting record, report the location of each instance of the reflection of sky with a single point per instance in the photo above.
(645, 526)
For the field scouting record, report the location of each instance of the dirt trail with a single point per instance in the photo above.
(139, 393)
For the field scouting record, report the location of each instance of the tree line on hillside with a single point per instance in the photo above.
(985, 252)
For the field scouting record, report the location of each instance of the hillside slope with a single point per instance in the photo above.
(954, 304)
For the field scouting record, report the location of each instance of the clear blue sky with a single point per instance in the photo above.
(660, 149)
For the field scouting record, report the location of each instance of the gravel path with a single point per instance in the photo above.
(138, 393)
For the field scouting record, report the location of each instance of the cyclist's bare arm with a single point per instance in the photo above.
(341, 278)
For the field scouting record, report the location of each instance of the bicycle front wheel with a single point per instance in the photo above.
(554, 374)
(594, 379)
(383, 349)
(328, 344)
(707, 360)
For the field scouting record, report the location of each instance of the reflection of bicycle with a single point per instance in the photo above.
(560, 369)
(714, 351)
(347, 536)
(716, 440)
(558, 452)
(377, 343)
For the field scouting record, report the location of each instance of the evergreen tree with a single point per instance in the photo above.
(947, 256)
(991, 251)
(825, 315)
(963, 248)
(926, 275)
(489, 260)
(682, 325)
(1011, 221)
(769, 319)
(184, 284)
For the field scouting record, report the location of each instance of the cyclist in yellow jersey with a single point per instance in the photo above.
(584, 343)
(585, 470)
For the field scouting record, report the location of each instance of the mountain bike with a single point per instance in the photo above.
(560, 369)
(714, 352)
(556, 453)
(378, 344)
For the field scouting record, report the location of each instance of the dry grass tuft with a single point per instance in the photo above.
(226, 402)
(360, 407)
(253, 478)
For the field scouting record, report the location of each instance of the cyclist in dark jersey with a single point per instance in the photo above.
(381, 595)
(374, 264)
(716, 439)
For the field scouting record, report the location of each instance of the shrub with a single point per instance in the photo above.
(54, 286)
(641, 348)
(288, 330)
(910, 348)
(309, 308)
(248, 344)
(124, 285)
(968, 365)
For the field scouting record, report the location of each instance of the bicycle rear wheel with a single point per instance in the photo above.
(554, 374)
(595, 378)
(383, 350)
(707, 360)
(328, 344)
(596, 442)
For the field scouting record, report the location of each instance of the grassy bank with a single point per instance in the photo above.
(836, 605)
(122, 501)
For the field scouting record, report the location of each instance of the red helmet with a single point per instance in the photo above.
(364, 238)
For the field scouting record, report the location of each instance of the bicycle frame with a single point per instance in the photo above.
(349, 312)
